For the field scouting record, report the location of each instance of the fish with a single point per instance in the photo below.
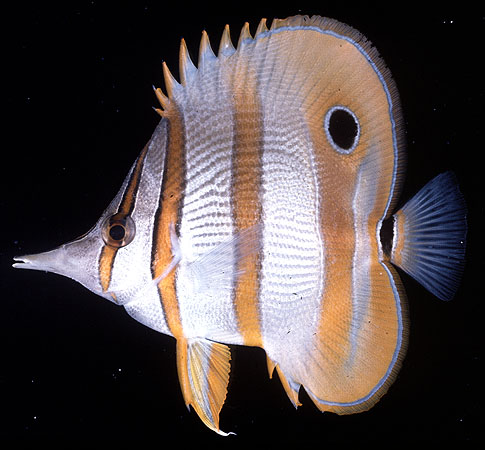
(262, 212)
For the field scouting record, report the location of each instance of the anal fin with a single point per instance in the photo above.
(203, 368)
(291, 387)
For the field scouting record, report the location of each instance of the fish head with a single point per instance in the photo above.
(78, 259)
(113, 259)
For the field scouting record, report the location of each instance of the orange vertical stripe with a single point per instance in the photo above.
(168, 213)
(108, 254)
(247, 203)
(337, 376)
(106, 261)
(336, 225)
(128, 202)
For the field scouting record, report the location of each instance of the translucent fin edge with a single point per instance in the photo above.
(430, 236)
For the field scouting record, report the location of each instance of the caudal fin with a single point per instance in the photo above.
(429, 236)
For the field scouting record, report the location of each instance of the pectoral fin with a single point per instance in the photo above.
(214, 269)
(203, 368)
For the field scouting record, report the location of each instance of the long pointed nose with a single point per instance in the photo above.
(77, 260)
(51, 261)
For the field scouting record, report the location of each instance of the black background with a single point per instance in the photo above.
(77, 99)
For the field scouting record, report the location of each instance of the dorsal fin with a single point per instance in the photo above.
(171, 83)
(276, 23)
(162, 99)
(245, 34)
(186, 66)
(226, 48)
(262, 28)
(206, 54)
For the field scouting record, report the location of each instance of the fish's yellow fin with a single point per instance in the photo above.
(203, 368)
(291, 387)
(271, 366)
(356, 354)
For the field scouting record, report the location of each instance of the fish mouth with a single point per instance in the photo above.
(50, 261)
(57, 261)
(24, 262)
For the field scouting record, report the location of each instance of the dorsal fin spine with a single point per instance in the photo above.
(274, 23)
(186, 66)
(159, 111)
(171, 83)
(226, 48)
(205, 51)
(245, 34)
(162, 99)
(262, 28)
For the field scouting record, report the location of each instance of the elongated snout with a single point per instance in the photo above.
(77, 260)
(55, 261)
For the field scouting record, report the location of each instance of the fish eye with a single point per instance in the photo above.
(342, 129)
(118, 230)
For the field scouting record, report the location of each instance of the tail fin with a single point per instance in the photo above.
(429, 236)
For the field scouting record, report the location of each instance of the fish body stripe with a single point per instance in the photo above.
(105, 264)
(347, 220)
(313, 246)
(127, 203)
(246, 201)
(359, 307)
(129, 197)
(292, 251)
(167, 217)
(259, 223)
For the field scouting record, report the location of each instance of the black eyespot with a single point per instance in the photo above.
(342, 129)
(118, 230)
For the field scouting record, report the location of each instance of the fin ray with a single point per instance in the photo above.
(430, 234)
(170, 82)
(345, 369)
(203, 368)
(187, 68)
(291, 387)
(244, 36)
(206, 54)
(226, 48)
(214, 268)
